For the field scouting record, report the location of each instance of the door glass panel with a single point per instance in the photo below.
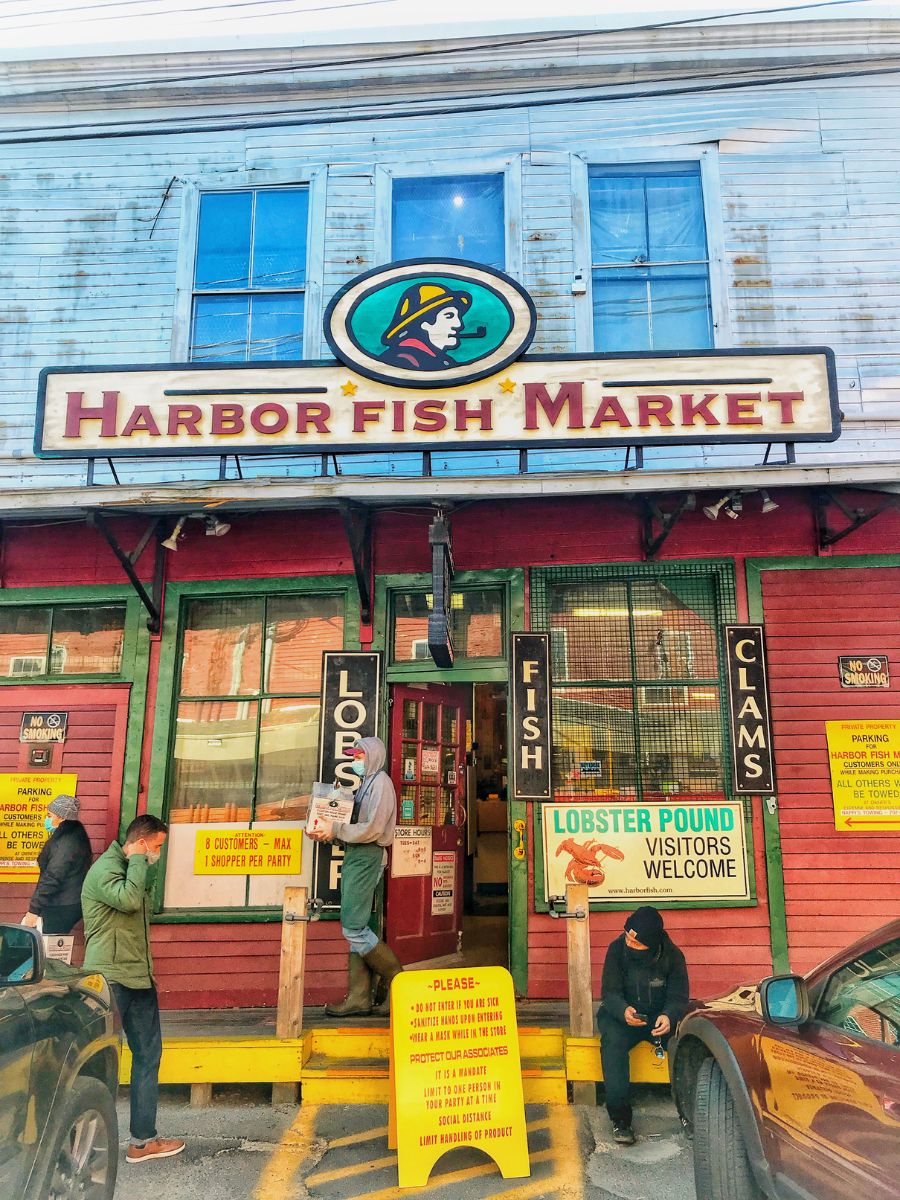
(429, 722)
(450, 725)
(448, 810)
(407, 814)
(427, 805)
(214, 761)
(410, 767)
(410, 719)
(222, 645)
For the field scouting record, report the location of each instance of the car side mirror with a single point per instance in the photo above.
(21, 955)
(784, 1000)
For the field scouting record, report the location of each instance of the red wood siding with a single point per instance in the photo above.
(94, 750)
(723, 947)
(837, 885)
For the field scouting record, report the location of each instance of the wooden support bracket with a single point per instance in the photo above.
(825, 535)
(651, 540)
(128, 561)
(358, 524)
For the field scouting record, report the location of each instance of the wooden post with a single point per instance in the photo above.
(201, 1095)
(578, 957)
(289, 1017)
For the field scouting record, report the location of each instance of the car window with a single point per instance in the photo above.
(16, 955)
(863, 997)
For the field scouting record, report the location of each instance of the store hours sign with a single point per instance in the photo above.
(433, 353)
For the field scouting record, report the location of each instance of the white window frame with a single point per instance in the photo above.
(510, 167)
(315, 179)
(711, 188)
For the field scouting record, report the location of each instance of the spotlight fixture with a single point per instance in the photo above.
(712, 510)
(215, 527)
(171, 542)
(768, 504)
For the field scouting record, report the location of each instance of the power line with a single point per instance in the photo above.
(168, 12)
(268, 120)
(469, 48)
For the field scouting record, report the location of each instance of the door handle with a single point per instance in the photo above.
(891, 1107)
(519, 848)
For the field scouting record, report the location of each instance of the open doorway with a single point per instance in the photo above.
(486, 910)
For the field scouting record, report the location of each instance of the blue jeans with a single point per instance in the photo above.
(139, 1010)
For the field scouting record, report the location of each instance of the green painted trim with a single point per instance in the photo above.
(166, 699)
(134, 737)
(754, 567)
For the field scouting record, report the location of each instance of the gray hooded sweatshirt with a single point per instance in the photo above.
(376, 798)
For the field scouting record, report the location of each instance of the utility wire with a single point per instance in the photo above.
(268, 119)
(168, 12)
(469, 48)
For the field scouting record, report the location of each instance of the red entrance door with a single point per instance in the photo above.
(423, 912)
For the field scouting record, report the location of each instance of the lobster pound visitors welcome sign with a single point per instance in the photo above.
(456, 1078)
(647, 852)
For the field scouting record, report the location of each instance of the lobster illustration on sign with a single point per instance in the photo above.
(586, 858)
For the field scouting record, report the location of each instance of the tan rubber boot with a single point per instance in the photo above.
(384, 962)
(358, 1001)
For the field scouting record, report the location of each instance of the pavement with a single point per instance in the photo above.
(242, 1146)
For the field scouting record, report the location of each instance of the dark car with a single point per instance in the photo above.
(59, 1065)
(792, 1087)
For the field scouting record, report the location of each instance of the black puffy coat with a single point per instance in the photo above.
(63, 862)
(653, 984)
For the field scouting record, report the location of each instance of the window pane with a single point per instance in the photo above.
(864, 996)
(222, 642)
(476, 624)
(675, 630)
(593, 742)
(279, 238)
(618, 218)
(680, 312)
(219, 328)
(675, 217)
(24, 633)
(621, 313)
(288, 748)
(681, 742)
(589, 631)
(298, 630)
(223, 240)
(450, 218)
(276, 328)
(87, 641)
(215, 744)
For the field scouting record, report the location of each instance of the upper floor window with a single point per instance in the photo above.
(61, 639)
(453, 217)
(649, 258)
(250, 276)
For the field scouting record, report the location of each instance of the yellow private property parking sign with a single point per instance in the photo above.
(864, 758)
(456, 1078)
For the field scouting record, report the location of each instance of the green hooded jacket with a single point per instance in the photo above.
(115, 900)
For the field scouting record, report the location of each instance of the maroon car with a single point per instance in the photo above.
(792, 1087)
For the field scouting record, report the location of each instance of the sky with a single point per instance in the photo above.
(59, 28)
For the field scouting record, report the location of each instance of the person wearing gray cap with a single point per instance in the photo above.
(63, 862)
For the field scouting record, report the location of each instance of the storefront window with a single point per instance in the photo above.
(476, 624)
(250, 276)
(55, 640)
(246, 731)
(455, 217)
(650, 263)
(637, 688)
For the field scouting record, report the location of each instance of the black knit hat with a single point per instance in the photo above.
(647, 925)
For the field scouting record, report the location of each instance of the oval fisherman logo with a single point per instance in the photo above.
(430, 323)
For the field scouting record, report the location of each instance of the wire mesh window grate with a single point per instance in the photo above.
(638, 678)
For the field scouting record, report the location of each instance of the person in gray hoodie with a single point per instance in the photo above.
(365, 837)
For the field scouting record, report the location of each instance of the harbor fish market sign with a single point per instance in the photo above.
(432, 353)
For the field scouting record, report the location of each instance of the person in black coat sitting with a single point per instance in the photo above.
(644, 994)
(63, 862)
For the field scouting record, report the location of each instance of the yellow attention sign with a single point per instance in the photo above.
(864, 757)
(456, 1079)
(23, 806)
(247, 851)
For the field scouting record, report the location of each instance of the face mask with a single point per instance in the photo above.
(48, 824)
(152, 857)
(358, 767)
(636, 955)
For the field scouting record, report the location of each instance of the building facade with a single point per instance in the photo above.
(703, 200)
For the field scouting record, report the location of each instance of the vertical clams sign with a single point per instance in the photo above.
(351, 683)
(751, 725)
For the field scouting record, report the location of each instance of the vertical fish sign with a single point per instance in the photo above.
(531, 711)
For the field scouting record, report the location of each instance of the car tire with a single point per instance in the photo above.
(85, 1153)
(721, 1166)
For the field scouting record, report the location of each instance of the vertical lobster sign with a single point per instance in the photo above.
(531, 716)
(751, 725)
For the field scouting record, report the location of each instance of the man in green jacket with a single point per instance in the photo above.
(116, 903)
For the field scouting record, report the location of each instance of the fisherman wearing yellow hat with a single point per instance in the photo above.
(426, 324)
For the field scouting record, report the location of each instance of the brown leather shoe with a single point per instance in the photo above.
(157, 1148)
